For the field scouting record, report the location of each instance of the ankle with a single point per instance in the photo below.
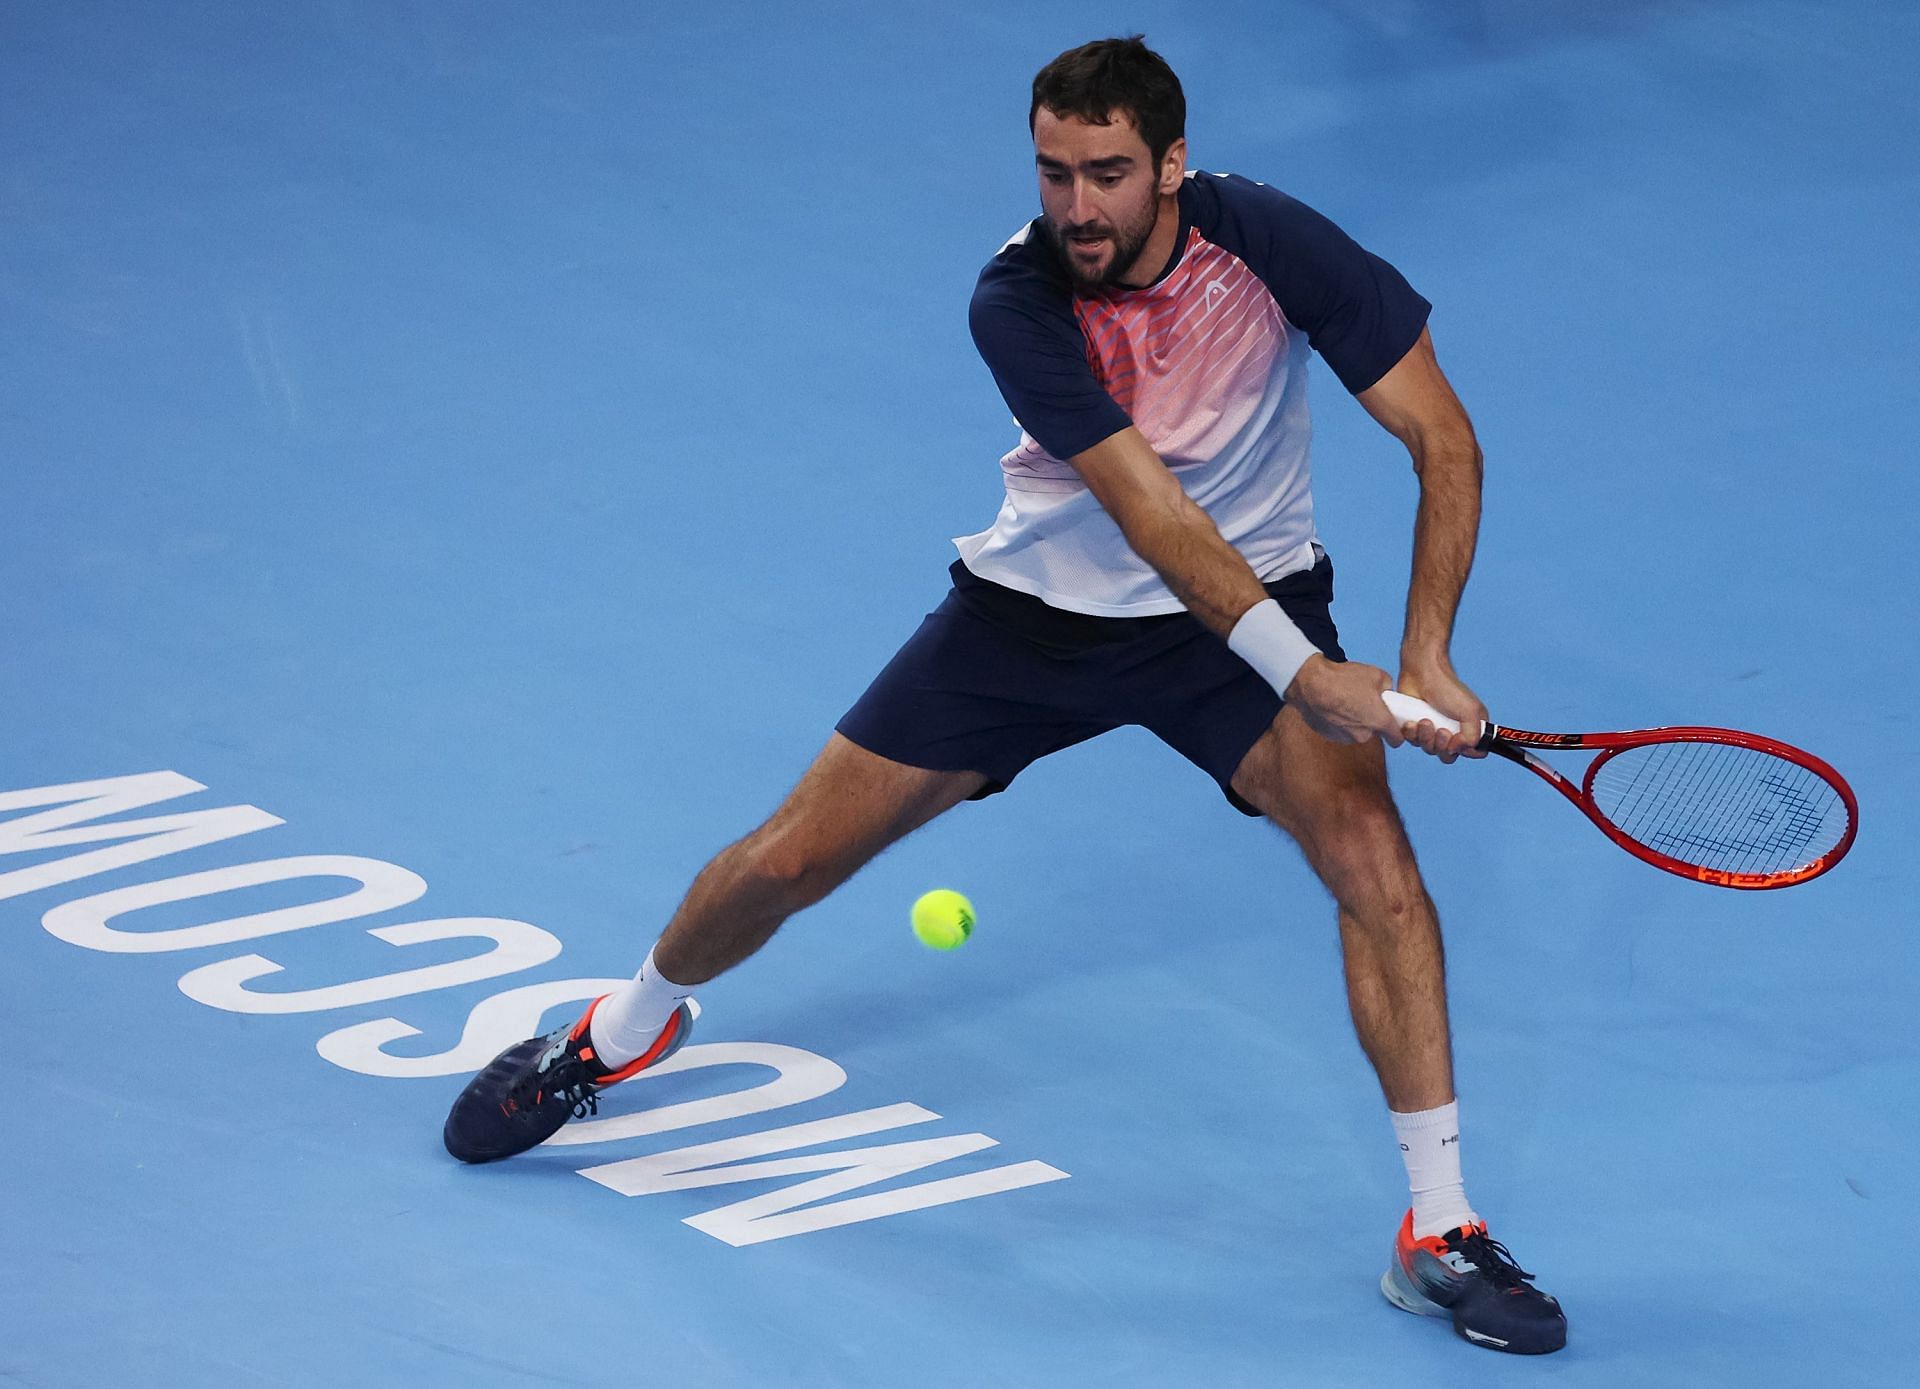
(627, 1021)
(1430, 1147)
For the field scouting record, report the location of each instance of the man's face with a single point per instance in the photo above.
(1100, 191)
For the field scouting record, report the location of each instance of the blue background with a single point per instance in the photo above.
(501, 440)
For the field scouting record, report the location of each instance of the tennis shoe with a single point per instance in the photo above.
(532, 1088)
(1470, 1277)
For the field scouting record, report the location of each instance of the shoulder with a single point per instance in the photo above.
(1356, 309)
(1023, 275)
(1022, 298)
(1244, 216)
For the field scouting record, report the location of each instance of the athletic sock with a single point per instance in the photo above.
(629, 1019)
(1430, 1147)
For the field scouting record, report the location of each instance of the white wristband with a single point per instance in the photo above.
(1266, 639)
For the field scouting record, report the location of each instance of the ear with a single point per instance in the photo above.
(1173, 166)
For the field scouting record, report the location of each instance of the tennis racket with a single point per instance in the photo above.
(1713, 804)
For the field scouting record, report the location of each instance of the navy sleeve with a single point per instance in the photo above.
(1357, 311)
(1023, 324)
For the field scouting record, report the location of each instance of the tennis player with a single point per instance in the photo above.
(1155, 563)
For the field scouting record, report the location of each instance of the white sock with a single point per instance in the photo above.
(630, 1018)
(1430, 1147)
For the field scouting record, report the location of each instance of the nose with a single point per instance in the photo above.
(1081, 207)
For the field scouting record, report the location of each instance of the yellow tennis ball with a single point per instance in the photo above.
(943, 919)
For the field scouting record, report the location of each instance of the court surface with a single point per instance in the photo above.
(457, 461)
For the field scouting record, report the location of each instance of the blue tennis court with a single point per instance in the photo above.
(457, 461)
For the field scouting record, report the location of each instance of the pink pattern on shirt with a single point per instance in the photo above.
(1189, 359)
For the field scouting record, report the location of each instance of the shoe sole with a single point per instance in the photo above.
(1408, 1298)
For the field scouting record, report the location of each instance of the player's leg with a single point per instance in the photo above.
(1208, 704)
(850, 805)
(1334, 800)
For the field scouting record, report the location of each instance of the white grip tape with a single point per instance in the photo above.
(1407, 709)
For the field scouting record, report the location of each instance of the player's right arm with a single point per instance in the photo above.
(1171, 532)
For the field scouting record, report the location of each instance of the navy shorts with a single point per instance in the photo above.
(996, 679)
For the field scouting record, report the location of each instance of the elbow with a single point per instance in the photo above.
(1452, 449)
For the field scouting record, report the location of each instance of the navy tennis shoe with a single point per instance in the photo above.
(532, 1088)
(1471, 1278)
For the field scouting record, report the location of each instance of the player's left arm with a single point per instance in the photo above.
(1415, 404)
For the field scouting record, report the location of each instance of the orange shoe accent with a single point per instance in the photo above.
(586, 1019)
(581, 1029)
(1435, 1245)
(639, 1063)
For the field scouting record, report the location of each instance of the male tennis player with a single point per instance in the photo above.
(1155, 563)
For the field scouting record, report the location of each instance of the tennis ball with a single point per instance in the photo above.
(943, 919)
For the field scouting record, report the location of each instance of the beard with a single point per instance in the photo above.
(1124, 241)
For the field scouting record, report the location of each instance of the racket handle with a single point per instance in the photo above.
(1408, 709)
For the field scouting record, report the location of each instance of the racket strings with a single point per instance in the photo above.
(1734, 809)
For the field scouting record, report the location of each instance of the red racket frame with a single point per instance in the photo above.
(1514, 744)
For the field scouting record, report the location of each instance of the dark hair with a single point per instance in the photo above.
(1098, 79)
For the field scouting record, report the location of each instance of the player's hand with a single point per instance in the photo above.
(1434, 681)
(1341, 701)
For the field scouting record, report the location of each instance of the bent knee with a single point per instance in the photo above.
(799, 869)
(1362, 853)
(1357, 820)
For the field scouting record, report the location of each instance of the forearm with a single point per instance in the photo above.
(1446, 530)
(1186, 549)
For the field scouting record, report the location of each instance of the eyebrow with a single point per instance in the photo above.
(1111, 161)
